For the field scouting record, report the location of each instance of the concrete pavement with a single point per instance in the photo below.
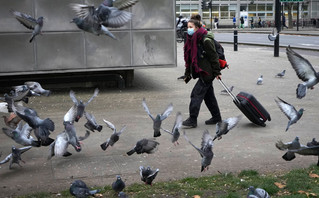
(245, 147)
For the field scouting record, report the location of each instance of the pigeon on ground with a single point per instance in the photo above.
(41, 127)
(224, 126)
(273, 35)
(147, 174)
(281, 74)
(91, 123)
(21, 135)
(114, 137)
(63, 140)
(292, 114)
(224, 92)
(304, 71)
(257, 193)
(312, 148)
(206, 150)
(77, 111)
(260, 80)
(118, 185)
(30, 23)
(80, 190)
(144, 146)
(12, 120)
(175, 131)
(36, 88)
(157, 121)
(15, 156)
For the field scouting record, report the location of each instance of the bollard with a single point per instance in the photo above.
(235, 40)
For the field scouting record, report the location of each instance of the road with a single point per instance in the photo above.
(285, 39)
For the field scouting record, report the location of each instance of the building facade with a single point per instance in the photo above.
(225, 10)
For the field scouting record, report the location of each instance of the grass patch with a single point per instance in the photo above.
(299, 183)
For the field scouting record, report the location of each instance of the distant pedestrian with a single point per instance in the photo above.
(234, 22)
(252, 23)
(284, 21)
(259, 22)
(242, 22)
(216, 22)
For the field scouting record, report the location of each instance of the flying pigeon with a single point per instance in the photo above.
(16, 90)
(78, 109)
(292, 114)
(144, 146)
(63, 140)
(206, 150)
(147, 174)
(260, 80)
(91, 123)
(15, 156)
(312, 148)
(257, 193)
(304, 71)
(175, 131)
(157, 121)
(30, 23)
(12, 120)
(281, 74)
(114, 137)
(79, 189)
(36, 88)
(273, 35)
(21, 135)
(224, 92)
(41, 127)
(15, 97)
(118, 185)
(224, 126)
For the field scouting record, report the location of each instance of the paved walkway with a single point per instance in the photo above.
(245, 147)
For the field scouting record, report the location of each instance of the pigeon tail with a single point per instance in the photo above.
(157, 133)
(301, 91)
(36, 143)
(105, 145)
(47, 141)
(107, 32)
(289, 156)
(99, 128)
(32, 38)
(25, 100)
(131, 152)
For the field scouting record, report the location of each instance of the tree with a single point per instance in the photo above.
(290, 23)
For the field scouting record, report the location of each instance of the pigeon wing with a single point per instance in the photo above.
(167, 131)
(302, 66)
(81, 10)
(146, 109)
(121, 131)
(73, 98)
(305, 150)
(87, 134)
(232, 122)
(26, 20)
(118, 18)
(207, 140)
(283, 146)
(149, 146)
(70, 115)
(6, 159)
(110, 125)
(198, 149)
(26, 131)
(287, 108)
(178, 121)
(167, 111)
(24, 149)
(96, 92)
(154, 173)
(8, 132)
(124, 4)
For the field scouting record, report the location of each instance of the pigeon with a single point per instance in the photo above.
(144, 146)
(118, 185)
(12, 120)
(260, 80)
(29, 22)
(304, 71)
(273, 35)
(292, 114)
(79, 189)
(91, 123)
(63, 140)
(175, 131)
(37, 89)
(77, 111)
(15, 156)
(114, 137)
(147, 174)
(16, 97)
(224, 126)
(16, 90)
(157, 121)
(21, 135)
(206, 150)
(257, 193)
(224, 92)
(281, 74)
(41, 127)
(312, 148)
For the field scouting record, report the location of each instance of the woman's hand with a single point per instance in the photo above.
(219, 77)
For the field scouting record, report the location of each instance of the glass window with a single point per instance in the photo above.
(269, 14)
(194, 7)
(233, 7)
(261, 14)
(232, 14)
(185, 7)
(224, 15)
(251, 15)
(177, 8)
(243, 7)
(251, 7)
(215, 8)
(261, 7)
(269, 7)
(224, 8)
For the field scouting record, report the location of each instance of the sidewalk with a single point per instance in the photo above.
(245, 147)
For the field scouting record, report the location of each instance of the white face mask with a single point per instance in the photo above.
(190, 31)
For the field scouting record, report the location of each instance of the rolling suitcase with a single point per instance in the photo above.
(250, 106)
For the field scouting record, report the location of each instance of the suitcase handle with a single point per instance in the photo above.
(229, 92)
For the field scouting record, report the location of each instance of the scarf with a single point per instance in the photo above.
(190, 49)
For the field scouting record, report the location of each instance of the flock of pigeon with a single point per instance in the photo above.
(88, 18)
